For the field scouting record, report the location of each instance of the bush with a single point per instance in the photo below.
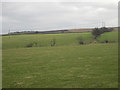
(109, 41)
(106, 41)
(53, 42)
(35, 43)
(80, 40)
(30, 45)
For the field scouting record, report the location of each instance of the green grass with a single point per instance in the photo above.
(111, 36)
(67, 65)
(43, 40)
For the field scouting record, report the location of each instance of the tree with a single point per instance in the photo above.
(98, 31)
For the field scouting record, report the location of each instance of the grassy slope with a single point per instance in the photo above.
(43, 40)
(94, 65)
(112, 36)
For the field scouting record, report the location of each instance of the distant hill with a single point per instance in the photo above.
(88, 30)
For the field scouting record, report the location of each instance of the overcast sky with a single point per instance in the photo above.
(21, 16)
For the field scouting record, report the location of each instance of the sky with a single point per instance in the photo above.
(56, 15)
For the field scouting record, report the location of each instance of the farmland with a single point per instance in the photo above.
(66, 65)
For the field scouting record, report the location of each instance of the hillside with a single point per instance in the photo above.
(65, 65)
(44, 40)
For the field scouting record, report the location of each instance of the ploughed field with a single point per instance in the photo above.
(65, 65)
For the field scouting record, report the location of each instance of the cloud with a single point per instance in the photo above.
(19, 16)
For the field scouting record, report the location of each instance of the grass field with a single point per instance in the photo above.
(67, 65)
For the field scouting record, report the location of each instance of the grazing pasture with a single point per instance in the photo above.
(66, 65)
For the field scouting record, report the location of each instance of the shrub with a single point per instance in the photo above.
(53, 42)
(80, 40)
(106, 41)
(30, 45)
(35, 43)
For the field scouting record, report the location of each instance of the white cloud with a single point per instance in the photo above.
(51, 15)
(60, 0)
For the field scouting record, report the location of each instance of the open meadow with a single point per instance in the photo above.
(29, 61)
